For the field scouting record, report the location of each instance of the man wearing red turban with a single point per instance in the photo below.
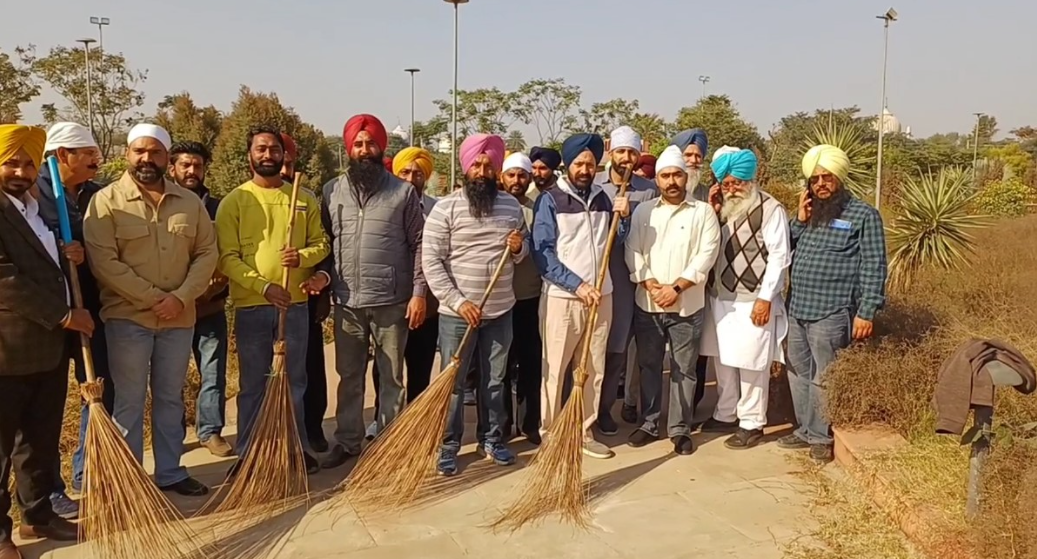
(375, 223)
(291, 154)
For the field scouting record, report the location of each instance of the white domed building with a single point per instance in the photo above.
(890, 124)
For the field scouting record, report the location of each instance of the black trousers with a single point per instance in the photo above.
(700, 379)
(31, 409)
(418, 355)
(315, 399)
(524, 368)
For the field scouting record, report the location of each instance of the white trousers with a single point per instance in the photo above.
(742, 395)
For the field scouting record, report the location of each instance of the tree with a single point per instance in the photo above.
(987, 129)
(317, 160)
(653, 129)
(515, 141)
(1026, 135)
(187, 122)
(785, 149)
(395, 145)
(603, 118)
(549, 105)
(427, 133)
(17, 85)
(482, 110)
(723, 124)
(114, 88)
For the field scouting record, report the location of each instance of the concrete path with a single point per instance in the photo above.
(648, 503)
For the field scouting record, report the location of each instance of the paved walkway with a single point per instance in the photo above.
(649, 503)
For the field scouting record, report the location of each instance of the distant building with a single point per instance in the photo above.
(400, 132)
(890, 124)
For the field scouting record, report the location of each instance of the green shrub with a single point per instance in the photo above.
(1006, 198)
(111, 170)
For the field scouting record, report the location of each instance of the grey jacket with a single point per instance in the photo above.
(375, 242)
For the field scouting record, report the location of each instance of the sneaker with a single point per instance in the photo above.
(683, 445)
(594, 449)
(606, 425)
(189, 487)
(497, 452)
(822, 453)
(744, 438)
(447, 463)
(713, 425)
(372, 431)
(64, 506)
(469, 397)
(640, 438)
(629, 414)
(217, 446)
(792, 442)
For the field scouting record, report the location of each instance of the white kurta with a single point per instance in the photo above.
(731, 335)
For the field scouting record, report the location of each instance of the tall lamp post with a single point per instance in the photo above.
(100, 22)
(889, 16)
(89, 97)
(412, 71)
(975, 147)
(453, 135)
(704, 80)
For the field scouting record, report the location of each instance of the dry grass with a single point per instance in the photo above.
(891, 380)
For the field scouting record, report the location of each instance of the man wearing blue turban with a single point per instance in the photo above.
(746, 322)
(694, 145)
(570, 227)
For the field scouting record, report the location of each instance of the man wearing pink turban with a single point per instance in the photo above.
(462, 242)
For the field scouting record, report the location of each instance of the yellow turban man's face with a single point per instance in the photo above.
(413, 174)
(18, 173)
(823, 183)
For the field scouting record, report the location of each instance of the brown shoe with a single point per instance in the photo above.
(9, 551)
(59, 530)
(218, 446)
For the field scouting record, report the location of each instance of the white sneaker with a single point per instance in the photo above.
(594, 449)
(372, 431)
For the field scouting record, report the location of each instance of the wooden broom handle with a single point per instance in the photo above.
(84, 341)
(283, 315)
(482, 302)
(592, 316)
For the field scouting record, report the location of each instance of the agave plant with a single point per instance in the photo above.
(932, 227)
(851, 137)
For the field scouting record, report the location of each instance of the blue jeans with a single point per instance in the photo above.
(210, 355)
(133, 352)
(813, 345)
(489, 345)
(256, 330)
(653, 331)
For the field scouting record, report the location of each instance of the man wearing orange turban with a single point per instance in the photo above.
(375, 223)
(33, 358)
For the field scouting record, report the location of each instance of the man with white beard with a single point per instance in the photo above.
(748, 315)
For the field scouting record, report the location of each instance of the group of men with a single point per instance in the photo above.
(696, 269)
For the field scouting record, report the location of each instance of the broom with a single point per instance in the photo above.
(124, 515)
(271, 476)
(392, 471)
(555, 480)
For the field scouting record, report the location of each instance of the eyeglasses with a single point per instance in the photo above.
(735, 184)
(826, 178)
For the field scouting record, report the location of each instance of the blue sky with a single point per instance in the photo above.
(330, 59)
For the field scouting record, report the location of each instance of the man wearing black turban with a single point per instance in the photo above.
(570, 227)
(545, 162)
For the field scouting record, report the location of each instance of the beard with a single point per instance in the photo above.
(481, 194)
(267, 168)
(822, 212)
(16, 187)
(582, 181)
(517, 189)
(190, 182)
(365, 174)
(694, 176)
(544, 183)
(146, 172)
(737, 204)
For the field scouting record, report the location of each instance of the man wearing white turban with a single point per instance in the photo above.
(837, 285)
(672, 246)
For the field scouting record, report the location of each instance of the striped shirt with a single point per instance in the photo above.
(459, 253)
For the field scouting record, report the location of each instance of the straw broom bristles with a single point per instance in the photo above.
(271, 477)
(124, 516)
(391, 473)
(555, 477)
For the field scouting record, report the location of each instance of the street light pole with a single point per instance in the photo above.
(89, 97)
(453, 136)
(890, 15)
(975, 147)
(704, 80)
(412, 71)
(100, 22)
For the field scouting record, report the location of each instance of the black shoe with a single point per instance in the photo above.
(338, 456)
(534, 437)
(683, 445)
(792, 442)
(714, 426)
(744, 438)
(189, 487)
(58, 529)
(629, 414)
(822, 453)
(640, 437)
(312, 466)
(319, 445)
(607, 425)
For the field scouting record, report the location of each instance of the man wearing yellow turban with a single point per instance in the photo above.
(33, 361)
(837, 285)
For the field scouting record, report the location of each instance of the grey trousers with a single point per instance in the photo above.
(355, 329)
(653, 331)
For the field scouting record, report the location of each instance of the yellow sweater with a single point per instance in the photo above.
(251, 229)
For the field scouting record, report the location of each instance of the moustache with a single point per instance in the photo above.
(93, 167)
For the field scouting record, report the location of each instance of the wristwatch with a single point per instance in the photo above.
(677, 289)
